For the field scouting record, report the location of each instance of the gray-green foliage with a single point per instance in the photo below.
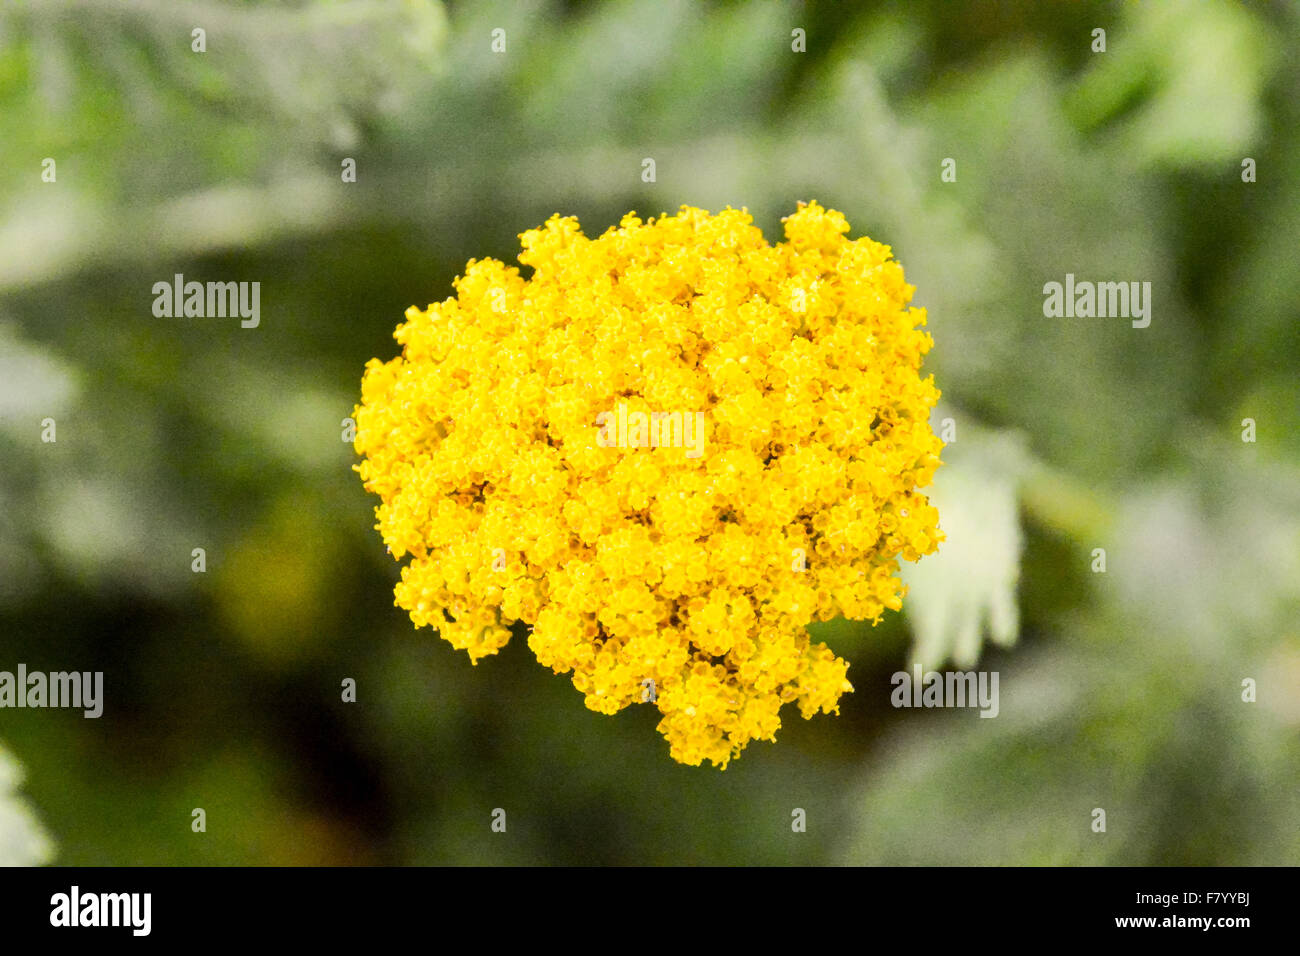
(969, 587)
(23, 842)
(1133, 700)
(1137, 708)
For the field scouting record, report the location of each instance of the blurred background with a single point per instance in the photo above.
(1120, 690)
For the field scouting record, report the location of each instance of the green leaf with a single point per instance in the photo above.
(1182, 83)
(23, 842)
(968, 589)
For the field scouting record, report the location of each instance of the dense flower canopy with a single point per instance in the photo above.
(523, 492)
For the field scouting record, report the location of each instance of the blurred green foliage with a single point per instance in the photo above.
(223, 688)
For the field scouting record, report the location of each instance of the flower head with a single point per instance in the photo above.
(651, 575)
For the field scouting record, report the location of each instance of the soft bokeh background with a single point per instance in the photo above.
(1119, 690)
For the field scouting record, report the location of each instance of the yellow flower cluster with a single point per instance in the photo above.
(652, 576)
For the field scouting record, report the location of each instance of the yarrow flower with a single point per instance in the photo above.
(682, 582)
